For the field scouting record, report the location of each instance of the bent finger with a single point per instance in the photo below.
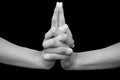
(65, 38)
(54, 56)
(53, 43)
(60, 50)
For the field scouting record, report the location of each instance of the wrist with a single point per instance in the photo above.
(41, 63)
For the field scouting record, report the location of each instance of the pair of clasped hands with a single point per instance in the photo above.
(57, 45)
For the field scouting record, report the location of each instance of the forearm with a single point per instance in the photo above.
(99, 59)
(20, 56)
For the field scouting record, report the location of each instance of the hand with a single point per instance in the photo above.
(96, 59)
(40, 62)
(58, 40)
(82, 61)
(71, 63)
(54, 48)
(57, 53)
(58, 45)
(20, 56)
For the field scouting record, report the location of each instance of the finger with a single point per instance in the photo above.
(69, 41)
(53, 43)
(54, 56)
(68, 31)
(63, 28)
(48, 43)
(61, 40)
(55, 16)
(60, 50)
(61, 37)
(51, 33)
(66, 39)
(61, 15)
(72, 62)
(66, 63)
(48, 34)
(54, 23)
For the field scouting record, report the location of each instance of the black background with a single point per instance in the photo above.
(94, 25)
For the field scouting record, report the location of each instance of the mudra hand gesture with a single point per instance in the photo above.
(58, 40)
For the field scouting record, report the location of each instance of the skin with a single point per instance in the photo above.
(96, 59)
(24, 57)
(105, 58)
(57, 43)
(21, 56)
(59, 40)
(59, 35)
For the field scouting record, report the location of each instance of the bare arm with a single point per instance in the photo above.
(21, 56)
(97, 59)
